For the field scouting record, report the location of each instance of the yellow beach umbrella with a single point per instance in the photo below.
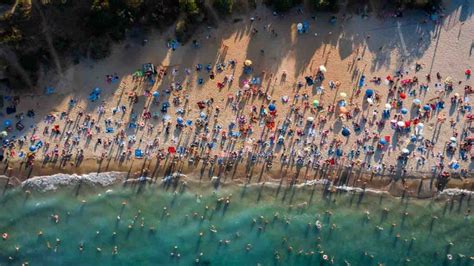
(248, 62)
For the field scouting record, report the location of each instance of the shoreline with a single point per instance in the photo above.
(330, 180)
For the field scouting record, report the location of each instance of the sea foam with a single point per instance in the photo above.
(53, 182)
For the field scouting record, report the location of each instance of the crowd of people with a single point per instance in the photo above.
(379, 126)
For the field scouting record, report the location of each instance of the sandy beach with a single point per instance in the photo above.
(103, 133)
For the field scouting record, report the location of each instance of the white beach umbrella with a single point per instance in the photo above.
(322, 68)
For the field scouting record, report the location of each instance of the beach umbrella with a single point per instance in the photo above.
(299, 26)
(246, 86)
(455, 165)
(322, 69)
(383, 142)
(179, 120)
(32, 148)
(247, 63)
(420, 126)
(272, 107)
(166, 118)
(369, 93)
(310, 119)
(404, 111)
(156, 94)
(171, 149)
(189, 123)
(345, 132)
(315, 103)
(3, 134)
(388, 106)
(403, 96)
(452, 139)
(343, 94)
(401, 124)
(405, 151)
(426, 107)
(7, 123)
(417, 101)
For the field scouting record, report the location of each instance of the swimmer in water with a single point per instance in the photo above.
(55, 218)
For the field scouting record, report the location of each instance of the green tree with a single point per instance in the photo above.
(326, 5)
(283, 5)
(189, 7)
(224, 6)
(99, 5)
(134, 4)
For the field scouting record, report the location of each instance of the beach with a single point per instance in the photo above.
(296, 138)
(128, 114)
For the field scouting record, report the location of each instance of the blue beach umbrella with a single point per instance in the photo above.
(156, 94)
(417, 101)
(426, 107)
(179, 120)
(369, 93)
(383, 142)
(455, 166)
(7, 123)
(345, 132)
(189, 123)
(32, 148)
(404, 111)
(272, 107)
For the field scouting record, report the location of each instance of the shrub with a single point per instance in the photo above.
(181, 30)
(189, 7)
(283, 5)
(224, 6)
(326, 5)
(419, 3)
(134, 4)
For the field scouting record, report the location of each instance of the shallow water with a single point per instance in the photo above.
(355, 227)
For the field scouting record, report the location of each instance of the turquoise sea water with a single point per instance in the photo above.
(261, 225)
